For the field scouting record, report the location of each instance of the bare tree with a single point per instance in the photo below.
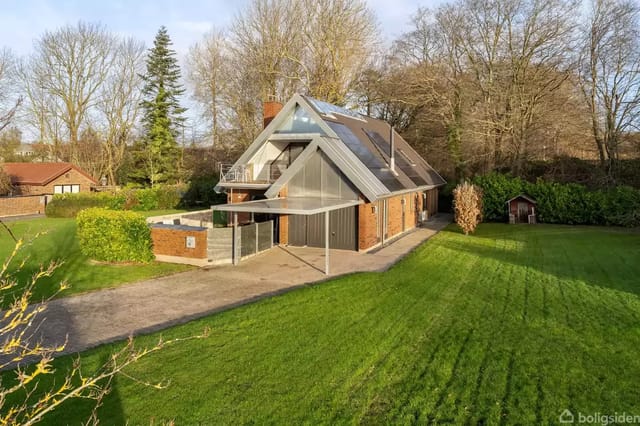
(9, 103)
(340, 37)
(42, 110)
(119, 104)
(208, 73)
(69, 67)
(610, 71)
(483, 77)
(267, 42)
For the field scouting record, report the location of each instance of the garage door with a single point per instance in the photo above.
(309, 230)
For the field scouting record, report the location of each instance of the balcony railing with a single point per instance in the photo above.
(238, 174)
(244, 173)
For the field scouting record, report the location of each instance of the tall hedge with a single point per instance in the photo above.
(68, 205)
(114, 236)
(571, 203)
(162, 197)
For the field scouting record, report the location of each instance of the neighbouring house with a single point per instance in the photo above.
(321, 171)
(522, 209)
(48, 178)
(35, 183)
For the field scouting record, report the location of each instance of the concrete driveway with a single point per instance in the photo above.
(91, 319)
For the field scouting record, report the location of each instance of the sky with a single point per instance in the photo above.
(23, 21)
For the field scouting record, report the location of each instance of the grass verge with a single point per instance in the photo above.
(58, 242)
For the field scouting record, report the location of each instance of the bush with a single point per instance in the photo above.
(162, 197)
(569, 203)
(169, 197)
(5, 183)
(496, 190)
(68, 205)
(114, 236)
(467, 202)
(200, 193)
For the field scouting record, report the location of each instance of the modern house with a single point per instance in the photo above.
(329, 177)
(48, 178)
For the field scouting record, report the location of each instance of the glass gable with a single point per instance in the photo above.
(299, 122)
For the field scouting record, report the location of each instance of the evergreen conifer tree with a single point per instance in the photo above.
(157, 153)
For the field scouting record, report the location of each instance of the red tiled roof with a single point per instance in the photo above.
(39, 173)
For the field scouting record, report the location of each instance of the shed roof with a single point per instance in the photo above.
(526, 197)
(40, 173)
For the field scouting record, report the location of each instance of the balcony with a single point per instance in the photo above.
(241, 175)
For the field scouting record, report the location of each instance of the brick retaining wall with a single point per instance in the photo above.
(171, 240)
(21, 205)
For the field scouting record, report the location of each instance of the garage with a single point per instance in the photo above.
(309, 230)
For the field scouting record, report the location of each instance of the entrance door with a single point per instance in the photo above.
(523, 212)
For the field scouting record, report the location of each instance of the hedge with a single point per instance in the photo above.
(114, 236)
(162, 197)
(571, 203)
(68, 205)
(201, 193)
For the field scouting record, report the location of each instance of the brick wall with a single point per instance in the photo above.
(394, 216)
(412, 204)
(368, 235)
(171, 241)
(72, 177)
(238, 196)
(19, 205)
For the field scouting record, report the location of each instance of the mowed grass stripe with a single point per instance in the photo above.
(502, 327)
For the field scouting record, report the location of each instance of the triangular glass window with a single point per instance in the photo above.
(299, 122)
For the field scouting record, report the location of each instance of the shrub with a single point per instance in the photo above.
(170, 197)
(467, 203)
(163, 197)
(114, 236)
(200, 193)
(496, 190)
(68, 205)
(5, 182)
(147, 199)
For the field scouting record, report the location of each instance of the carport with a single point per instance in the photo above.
(304, 206)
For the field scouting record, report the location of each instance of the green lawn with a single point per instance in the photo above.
(511, 325)
(60, 243)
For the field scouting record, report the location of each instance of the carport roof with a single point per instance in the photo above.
(293, 205)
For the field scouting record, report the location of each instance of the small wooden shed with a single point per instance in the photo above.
(522, 209)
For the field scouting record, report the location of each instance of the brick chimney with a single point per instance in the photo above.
(269, 110)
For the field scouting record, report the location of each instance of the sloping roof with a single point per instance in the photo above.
(370, 140)
(39, 173)
(358, 145)
(526, 197)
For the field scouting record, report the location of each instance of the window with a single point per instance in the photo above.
(299, 122)
(65, 189)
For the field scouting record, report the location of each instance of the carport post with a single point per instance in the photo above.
(234, 251)
(326, 243)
